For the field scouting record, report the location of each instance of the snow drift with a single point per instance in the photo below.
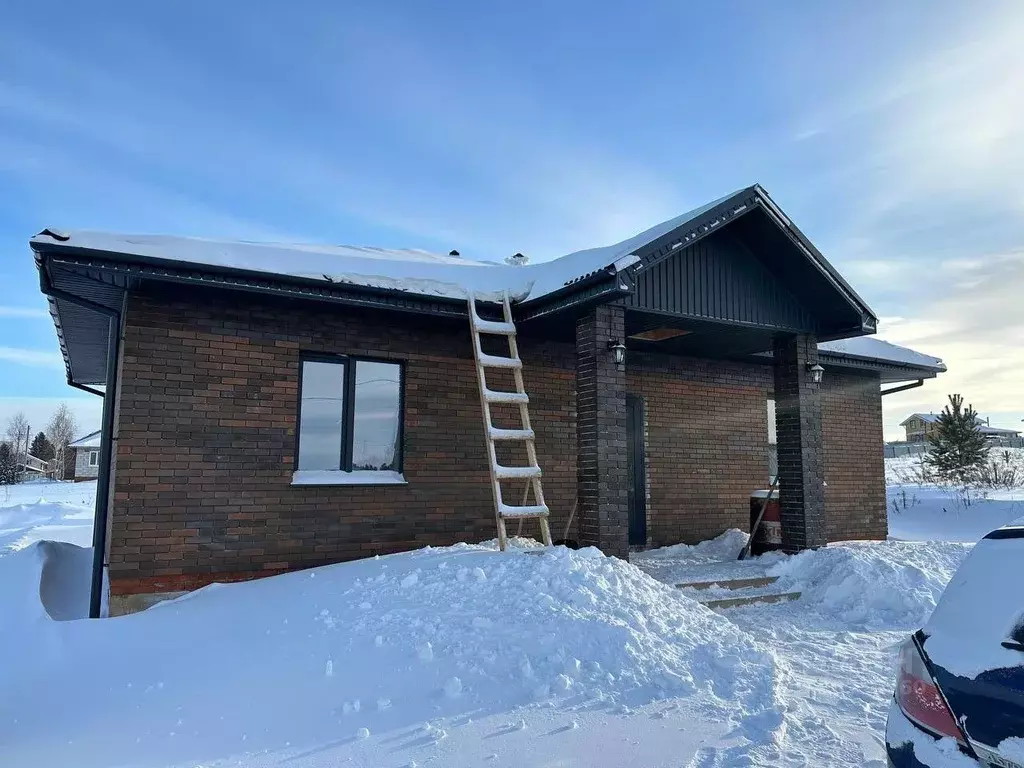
(872, 585)
(413, 644)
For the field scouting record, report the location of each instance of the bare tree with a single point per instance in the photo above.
(18, 435)
(61, 430)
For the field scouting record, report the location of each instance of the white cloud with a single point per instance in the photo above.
(25, 312)
(38, 410)
(978, 330)
(35, 357)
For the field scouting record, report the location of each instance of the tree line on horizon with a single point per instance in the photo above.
(49, 444)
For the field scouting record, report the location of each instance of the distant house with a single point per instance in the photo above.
(271, 408)
(998, 433)
(87, 456)
(921, 427)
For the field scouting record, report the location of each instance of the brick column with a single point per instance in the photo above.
(601, 433)
(800, 444)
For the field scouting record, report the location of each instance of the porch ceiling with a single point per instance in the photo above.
(700, 339)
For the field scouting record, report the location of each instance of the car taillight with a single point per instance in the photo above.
(919, 698)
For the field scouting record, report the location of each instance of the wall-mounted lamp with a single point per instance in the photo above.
(618, 350)
(816, 372)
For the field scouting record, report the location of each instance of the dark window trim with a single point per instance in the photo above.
(348, 427)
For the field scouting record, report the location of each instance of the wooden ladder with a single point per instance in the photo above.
(531, 472)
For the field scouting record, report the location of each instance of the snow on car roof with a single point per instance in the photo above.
(414, 271)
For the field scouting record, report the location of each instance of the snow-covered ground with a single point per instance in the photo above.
(920, 511)
(45, 511)
(465, 656)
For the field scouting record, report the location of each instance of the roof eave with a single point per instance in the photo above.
(869, 320)
(739, 204)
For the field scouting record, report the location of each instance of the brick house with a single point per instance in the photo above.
(280, 407)
(922, 427)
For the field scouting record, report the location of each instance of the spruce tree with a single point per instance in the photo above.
(42, 448)
(8, 465)
(958, 447)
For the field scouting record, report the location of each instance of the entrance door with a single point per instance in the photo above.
(636, 471)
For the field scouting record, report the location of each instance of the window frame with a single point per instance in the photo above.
(348, 406)
(94, 458)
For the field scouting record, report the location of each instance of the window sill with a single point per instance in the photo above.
(357, 477)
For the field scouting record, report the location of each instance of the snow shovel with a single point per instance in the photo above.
(757, 521)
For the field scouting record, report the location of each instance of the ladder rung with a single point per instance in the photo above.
(511, 473)
(494, 396)
(510, 434)
(539, 510)
(495, 361)
(497, 328)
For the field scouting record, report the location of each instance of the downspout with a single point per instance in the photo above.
(99, 529)
(904, 388)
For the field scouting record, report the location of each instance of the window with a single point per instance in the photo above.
(94, 458)
(350, 422)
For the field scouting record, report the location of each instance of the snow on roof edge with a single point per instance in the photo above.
(872, 348)
(92, 440)
(400, 270)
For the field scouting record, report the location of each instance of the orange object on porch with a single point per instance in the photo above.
(768, 536)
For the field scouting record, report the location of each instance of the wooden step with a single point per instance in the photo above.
(759, 581)
(493, 396)
(736, 602)
(536, 510)
(495, 327)
(513, 473)
(496, 361)
(511, 434)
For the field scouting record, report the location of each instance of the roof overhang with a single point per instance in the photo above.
(889, 372)
(800, 265)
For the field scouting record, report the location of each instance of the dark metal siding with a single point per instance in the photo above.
(719, 278)
(83, 332)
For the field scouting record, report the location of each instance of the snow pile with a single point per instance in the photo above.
(45, 510)
(871, 585)
(383, 658)
(708, 561)
(725, 546)
(47, 580)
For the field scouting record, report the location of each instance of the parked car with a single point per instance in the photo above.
(960, 687)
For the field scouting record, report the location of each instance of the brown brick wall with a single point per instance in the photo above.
(206, 440)
(854, 467)
(707, 443)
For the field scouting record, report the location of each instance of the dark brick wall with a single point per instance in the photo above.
(707, 443)
(854, 468)
(601, 432)
(800, 444)
(206, 438)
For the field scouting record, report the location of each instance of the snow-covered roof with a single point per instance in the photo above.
(870, 348)
(415, 271)
(987, 430)
(91, 440)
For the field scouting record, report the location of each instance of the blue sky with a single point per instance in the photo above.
(892, 133)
